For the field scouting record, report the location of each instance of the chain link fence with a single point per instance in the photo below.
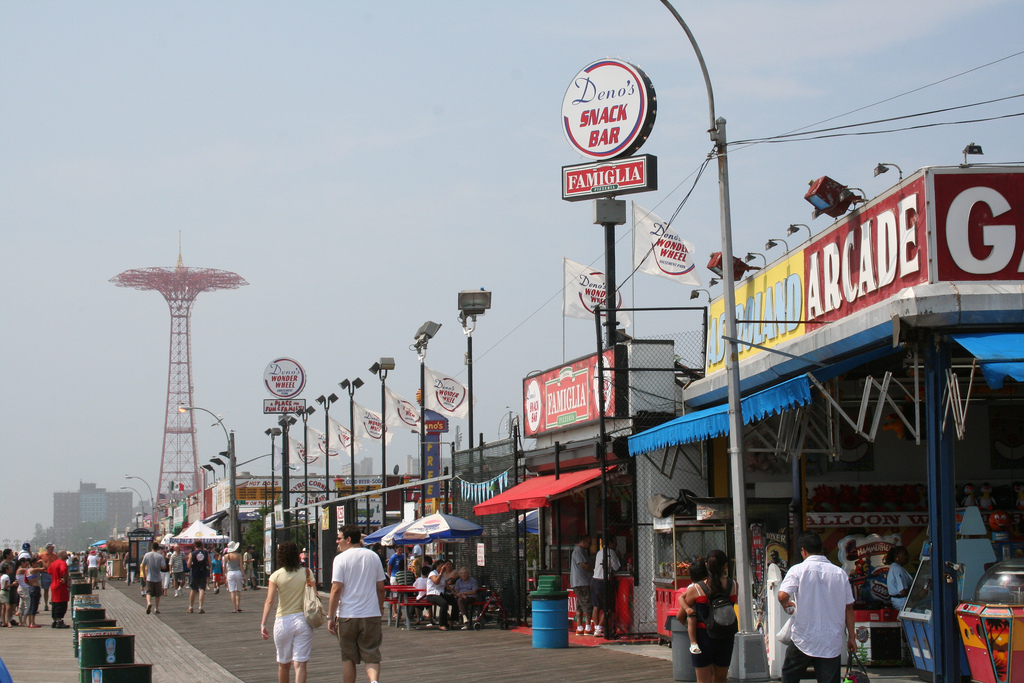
(488, 467)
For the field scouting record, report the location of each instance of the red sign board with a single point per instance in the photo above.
(868, 256)
(979, 225)
(604, 179)
(566, 396)
(274, 406)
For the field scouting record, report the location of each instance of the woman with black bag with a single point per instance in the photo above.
(711, 664)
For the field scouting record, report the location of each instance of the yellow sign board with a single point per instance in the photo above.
(769, 310)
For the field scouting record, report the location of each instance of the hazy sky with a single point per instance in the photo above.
(360, 163)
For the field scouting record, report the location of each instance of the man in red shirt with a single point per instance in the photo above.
(60, 592)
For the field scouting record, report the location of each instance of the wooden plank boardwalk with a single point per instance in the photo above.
(226, 647)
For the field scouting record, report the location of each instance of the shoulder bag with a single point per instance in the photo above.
(312, 607)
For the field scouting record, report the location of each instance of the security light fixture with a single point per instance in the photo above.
(794, 228)
(208, 468)
(774, 242)
(713, 281)
(473, 302)
(426, 332)
(355, 384)
(973, 150)
(696, 293)
(883, 167)
(830, 197)
(750, 257)
(382, 364)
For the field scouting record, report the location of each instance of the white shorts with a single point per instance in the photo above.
(293, 638)
(234, 581)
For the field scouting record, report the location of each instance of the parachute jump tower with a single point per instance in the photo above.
(180, 286)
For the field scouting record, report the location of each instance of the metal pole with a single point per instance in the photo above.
(609, 277)
(383, 446)
(423, 432)
(305, 468)
(273, 501)
(286, 502)
(327, 448)
(743, 665)
(602, 455)
(352, 444)
(469, 378)
(941, 522)
(236, 528)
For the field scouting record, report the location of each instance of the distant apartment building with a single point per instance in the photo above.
(91, 504)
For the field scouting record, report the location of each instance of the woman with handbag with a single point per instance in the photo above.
(293, 636)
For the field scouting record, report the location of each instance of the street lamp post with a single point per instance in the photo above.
(746, 669)
(380, 368)
(304, 414)
(422, 337)
(286, 421)
(152, 505)
(350, 387)
(142, 501)
(472, 302)
(236, 532)
(326, 402)
(272, 432)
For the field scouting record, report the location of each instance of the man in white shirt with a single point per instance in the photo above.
(821, 594)
(357, 603)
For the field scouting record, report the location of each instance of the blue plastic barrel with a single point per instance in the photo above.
(550, 623)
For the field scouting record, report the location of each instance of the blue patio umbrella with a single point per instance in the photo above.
(437, 526)
(379, 536)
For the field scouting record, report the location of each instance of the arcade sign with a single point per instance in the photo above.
(608, 178)
(608, 109)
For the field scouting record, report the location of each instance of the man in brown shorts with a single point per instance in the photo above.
(356, 606)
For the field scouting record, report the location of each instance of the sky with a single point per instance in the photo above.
(361, 163)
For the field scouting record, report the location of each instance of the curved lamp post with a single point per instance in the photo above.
(745, 670)
(142, 501)
(152, 505)
(236, 531)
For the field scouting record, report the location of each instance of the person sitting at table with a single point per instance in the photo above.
(421, 584)
(465, 590)
(437, 581)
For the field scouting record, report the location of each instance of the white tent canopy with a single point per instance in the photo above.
(199, 531)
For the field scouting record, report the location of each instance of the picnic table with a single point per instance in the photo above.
(403, 598)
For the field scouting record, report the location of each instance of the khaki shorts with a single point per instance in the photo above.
(360, 639)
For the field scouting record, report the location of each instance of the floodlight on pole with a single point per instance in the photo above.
(381, 368)
(422, 337)
(472, 302)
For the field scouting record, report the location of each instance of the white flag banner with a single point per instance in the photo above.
(320, 439)
(401, 412)
(445, 395)
(369, 425)
(658, 249)
(343, 437)
(585, 289)
(299, 459)
(275, 459)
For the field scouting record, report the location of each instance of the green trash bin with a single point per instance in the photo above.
(550, 614)
(80, 588)
(118, 673)
(89, 627)
(106, 650)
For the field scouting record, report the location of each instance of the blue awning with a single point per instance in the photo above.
(712, 422)
(1001, 355)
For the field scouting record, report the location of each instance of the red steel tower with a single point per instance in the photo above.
(180, 287)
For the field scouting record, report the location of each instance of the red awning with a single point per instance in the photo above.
(536, 492)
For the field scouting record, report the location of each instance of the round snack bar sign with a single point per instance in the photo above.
(609, 109)
(284, 378)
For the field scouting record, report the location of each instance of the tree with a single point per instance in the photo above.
(42, 536)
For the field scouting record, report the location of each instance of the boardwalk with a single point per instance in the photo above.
(225, 647)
